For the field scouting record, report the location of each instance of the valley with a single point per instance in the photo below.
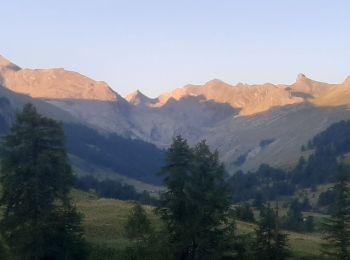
(279, 145)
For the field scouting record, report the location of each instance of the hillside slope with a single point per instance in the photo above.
(132, 158)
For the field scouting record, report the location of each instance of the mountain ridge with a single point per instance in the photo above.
(56, 83)
(234, 119)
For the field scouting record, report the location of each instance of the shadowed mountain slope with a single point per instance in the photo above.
(248, 124)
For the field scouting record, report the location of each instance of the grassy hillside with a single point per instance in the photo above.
(104, 220)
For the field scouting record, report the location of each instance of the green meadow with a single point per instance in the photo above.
(104, 220)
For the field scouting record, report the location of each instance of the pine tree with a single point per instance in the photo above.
(271, 244)
(173, 208)
(294, 219)
(196, 205)
(138, 227)
(39, 220)
(337, 228)
(139, 231)
(209, 204)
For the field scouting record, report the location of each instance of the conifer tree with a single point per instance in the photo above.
(39, 220)
(173, 208)
(336, 229)
(271, 244)
(294, 219)
(196, 205)
(139, 231)
(138, 227)
(244, 212)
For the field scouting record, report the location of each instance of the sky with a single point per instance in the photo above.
(156, 46)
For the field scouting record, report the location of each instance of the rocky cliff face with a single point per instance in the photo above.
(248, 124)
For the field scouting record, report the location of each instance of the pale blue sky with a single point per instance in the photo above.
(156, 46)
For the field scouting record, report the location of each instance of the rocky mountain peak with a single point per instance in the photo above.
(5, 64)
(55, 83)
(301, 77)
(311, 87)
(137, 98)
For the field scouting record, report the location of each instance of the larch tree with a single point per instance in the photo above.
(196, 204)
(271, 243)
(39, 220)
(173, 208)
(138, 229)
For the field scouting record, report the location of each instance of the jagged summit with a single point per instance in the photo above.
(5, 64)
(236, 119)
(311, 87)
(301, 77)
(137, 98)
(250, 99)
(130, 97)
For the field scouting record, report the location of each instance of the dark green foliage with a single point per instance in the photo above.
(138, 226)
(318, 169)
(196, 205)
(146, 242)
(139, 231)
(294, 219)
(334, 140)
(39, 221)
(337, 228)
(244, 212)
(133, 158)
(270, 242)
(326, 198)
(3, 250)
(267, 183)
(173, 203)
(113, 189)
(322, 165)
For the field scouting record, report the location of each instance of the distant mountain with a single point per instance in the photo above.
(137, 98)
(53, 83)
(249, 99)
(95, 150)
(248, 124)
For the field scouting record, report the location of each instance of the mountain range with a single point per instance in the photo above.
(247, 124)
